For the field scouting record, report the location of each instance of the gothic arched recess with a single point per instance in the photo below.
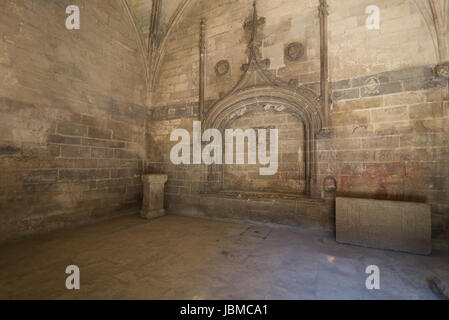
(257, 88)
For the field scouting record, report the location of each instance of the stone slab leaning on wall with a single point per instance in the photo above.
(402, 226)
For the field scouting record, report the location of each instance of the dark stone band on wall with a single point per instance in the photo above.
(409, 79)
(403, 80)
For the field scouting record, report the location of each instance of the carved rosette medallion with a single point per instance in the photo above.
(222, 67)
(294, 51)
(372, 85)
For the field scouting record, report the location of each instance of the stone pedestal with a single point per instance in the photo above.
(153, 196)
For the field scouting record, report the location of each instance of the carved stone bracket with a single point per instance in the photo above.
(442, 70)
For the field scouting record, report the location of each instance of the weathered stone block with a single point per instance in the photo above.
(99, 133)
(9, 150)
(84, 163)
(153, 195)
(383, 89)
(427, 111)
(83, 175)
(75, 152)
(347, 94)
(402, 226)
(67, 128)
(124, 173)
(63, 140)
(424, 83)
(125, 154)
(102, 153)
(40, 176)
(342, 84)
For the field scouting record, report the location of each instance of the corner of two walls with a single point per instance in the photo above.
(72, 123)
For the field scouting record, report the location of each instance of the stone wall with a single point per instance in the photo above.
(72, 115)
(389, 114)
(290, 176)
(392, 144)
(73, 121)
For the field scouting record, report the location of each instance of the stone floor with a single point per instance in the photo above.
(184, 258)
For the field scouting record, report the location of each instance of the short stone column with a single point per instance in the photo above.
(153, 195)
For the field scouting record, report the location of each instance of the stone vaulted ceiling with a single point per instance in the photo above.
(153, 20)
(142, 10)
(435, 12)
(436, 15)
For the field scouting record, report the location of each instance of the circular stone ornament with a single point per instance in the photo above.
(222, 67)
(372, 85)
(294, 51)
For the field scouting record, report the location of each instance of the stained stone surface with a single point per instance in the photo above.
(185, 258)
(396, 225)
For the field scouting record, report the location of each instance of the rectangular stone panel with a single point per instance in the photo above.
(401, 226)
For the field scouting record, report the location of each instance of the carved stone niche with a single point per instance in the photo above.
(303, 112)
(257, 87)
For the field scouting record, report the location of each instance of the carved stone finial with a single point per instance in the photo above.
(202, 39)
(323, 8)
(253, 24)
